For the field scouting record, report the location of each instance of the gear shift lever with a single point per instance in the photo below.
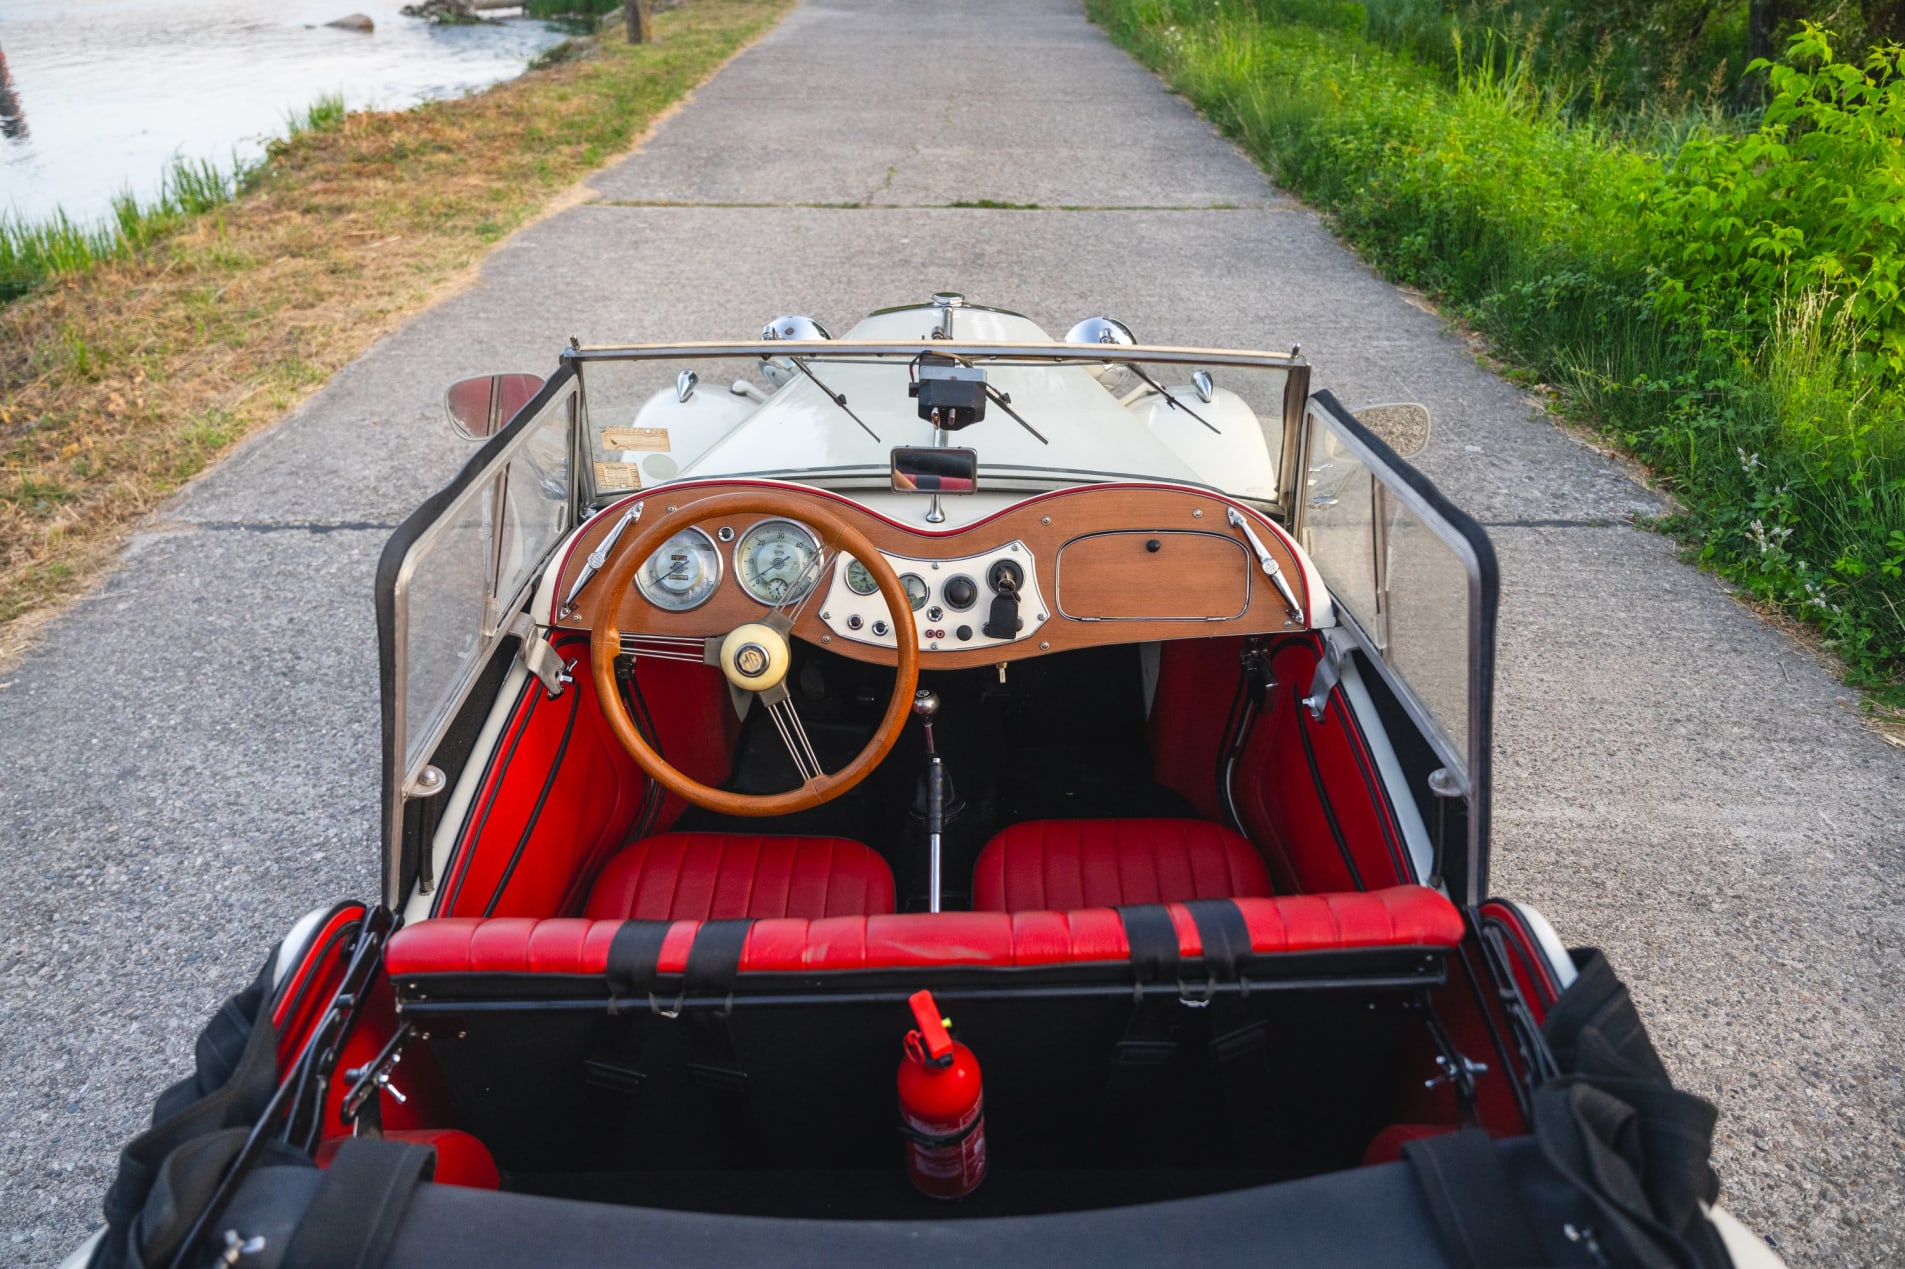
(926, 704)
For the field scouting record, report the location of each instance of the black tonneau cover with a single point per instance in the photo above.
(1363, 1217)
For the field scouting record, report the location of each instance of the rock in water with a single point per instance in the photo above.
(354, 22)
(443, 12)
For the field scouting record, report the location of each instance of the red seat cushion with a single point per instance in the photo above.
(1065, 864)
(725, 876)
(1353, 921)
(461, 1158)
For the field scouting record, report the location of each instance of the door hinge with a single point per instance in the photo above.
(1322, 683)
(540, 657)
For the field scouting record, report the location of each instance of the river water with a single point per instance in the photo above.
(97, 96)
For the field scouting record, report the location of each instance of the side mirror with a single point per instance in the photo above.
(1403, 428)
(481, 406)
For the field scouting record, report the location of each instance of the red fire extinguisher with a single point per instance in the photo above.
(942, 1107)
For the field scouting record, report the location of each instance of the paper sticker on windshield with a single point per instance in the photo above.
(627, 438)
(617, 477)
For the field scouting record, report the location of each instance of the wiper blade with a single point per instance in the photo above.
(1004, 401)
(838, 398)
(1170, 400)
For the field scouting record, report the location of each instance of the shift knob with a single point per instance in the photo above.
(926, 704)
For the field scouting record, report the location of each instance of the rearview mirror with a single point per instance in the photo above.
(1403, 428)
(929, 469)
(480, 407)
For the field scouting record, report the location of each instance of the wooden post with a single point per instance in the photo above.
(641, 22)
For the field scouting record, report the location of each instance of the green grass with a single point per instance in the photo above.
(1721, 297)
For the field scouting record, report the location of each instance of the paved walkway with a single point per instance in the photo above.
(190, 761)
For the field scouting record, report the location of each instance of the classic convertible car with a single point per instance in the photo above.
(942, 793)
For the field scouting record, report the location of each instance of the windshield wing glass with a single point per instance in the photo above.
(1405, 569)
(467, 570)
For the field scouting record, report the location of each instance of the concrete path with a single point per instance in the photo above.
(190, 760)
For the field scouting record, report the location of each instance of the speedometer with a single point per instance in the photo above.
(774, 560)
(683, 574)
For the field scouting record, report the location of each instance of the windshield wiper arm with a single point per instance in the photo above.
(598, 557)
(1004, 401)
(838, 398)
(1170, 400)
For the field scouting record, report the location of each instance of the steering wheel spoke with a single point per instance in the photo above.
(780, 707)
(690, 649)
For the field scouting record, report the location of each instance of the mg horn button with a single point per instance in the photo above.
(751, 659)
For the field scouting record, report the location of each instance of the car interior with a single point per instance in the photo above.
(1178, 912)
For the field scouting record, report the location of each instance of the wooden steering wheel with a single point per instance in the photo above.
(755, 656)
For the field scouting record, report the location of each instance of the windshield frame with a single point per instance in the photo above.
(1296, 392)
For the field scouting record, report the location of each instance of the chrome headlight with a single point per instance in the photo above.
(1104, 330)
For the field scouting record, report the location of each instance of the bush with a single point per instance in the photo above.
(1723, 300)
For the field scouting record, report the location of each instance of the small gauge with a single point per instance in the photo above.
(860, 579)
(773, 560)
(683, 574)
(917, 592)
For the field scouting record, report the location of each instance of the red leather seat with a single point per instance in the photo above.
(1068, 864)
(724, 876)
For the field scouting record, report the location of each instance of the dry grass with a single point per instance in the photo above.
(119, 385)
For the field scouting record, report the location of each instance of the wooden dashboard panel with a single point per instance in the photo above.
(1154, 575)
(1089, 549)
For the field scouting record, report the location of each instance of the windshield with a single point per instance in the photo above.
(831, 414)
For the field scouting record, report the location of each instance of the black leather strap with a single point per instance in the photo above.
(1475, 1210)
(634, 961)
(353, 1217)
(714, 964)
(1153, 942)
(1150, 1034)
(1225, 936)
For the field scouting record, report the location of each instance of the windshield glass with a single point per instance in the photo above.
(833, 416)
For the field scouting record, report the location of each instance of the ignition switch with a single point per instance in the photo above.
(1004, 623)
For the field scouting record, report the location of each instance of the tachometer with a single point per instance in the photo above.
(683, 574)
(772, 561)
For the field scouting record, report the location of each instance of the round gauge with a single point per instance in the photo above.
(917, 592)
(683, 574)
(772, 561)
(860, 578)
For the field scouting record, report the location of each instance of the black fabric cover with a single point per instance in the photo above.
(1619, 1166)
(1616, 1130)
(1363, 1218)
(183, 1186)
(235, 1076)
